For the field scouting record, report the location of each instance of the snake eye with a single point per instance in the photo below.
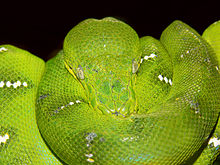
(134, 66)
(80, 73)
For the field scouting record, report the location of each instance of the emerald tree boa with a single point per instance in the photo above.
(110, 97)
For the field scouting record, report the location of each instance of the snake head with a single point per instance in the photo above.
(103, 56)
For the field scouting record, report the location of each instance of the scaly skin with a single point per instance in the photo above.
(212, 35)
(111, 98)
(24, 144)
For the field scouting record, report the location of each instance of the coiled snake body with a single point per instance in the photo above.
(111, 98)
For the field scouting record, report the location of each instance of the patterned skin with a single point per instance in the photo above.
(110, 97)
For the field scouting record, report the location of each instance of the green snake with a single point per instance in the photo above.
(110, 97)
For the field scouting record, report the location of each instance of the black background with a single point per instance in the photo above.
(40, 27)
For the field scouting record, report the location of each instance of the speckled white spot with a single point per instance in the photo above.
(130, 138)
(160, 77)
(64, 106)
(3, 49)
(214, 141)
(71, 103)
(2, 84)
(125, 139)
(196, 111)
(15, 85)
(18, 83)
(25, 84)
(90, 160)
(152, 55)
(170, 81)
(181, 55)
(4, 138)
(166, 80)
(141, 60)
(89, 155)
(146, 57)
(8, 84)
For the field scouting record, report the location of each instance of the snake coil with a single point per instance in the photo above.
(110, 97)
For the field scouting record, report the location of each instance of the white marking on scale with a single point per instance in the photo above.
(125, 139)
(152, 55)
(90, 160)
(89, 155)
(3, 49)
(25, 84)
(141, 60)
(8, 84)
(170, 81)
(18, 83)
(215, 141)
(77, 101)
(165, 79)
(71, 103)
(160, 77)
(15, 85)
(2, 84)
(146, 57)
(4, 138)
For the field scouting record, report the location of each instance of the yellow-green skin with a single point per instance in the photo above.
(110, 97)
